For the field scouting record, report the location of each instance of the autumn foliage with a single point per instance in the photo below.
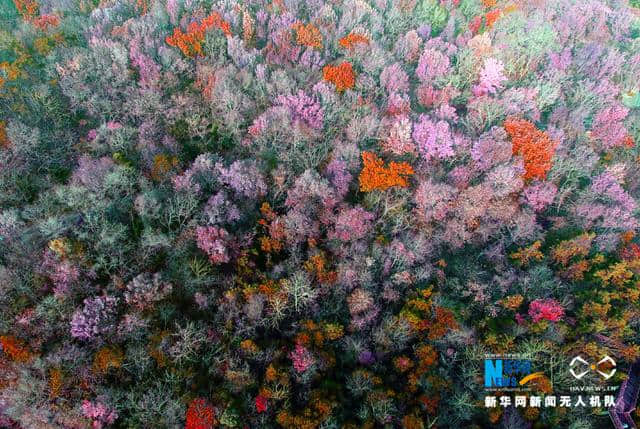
(314, 214)
(44, 22)
(308, 35)
(200, 415)
(353, 39)
(162, 164)
(14, 348)
(535, 146)
(190, 43)
(261, 404)
(342, 75)
(27, 8)
(492, 16)
(107, 358)
(56, 382)
(4, 140)
(375, 175)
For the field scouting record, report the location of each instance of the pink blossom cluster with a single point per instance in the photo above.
(608, 126)
(540, 195)
(491, 78)
(434, 139)
(303, 108)
(351, 224)
(62, 272)
(301, 357)
(214, 242)
(100, 414)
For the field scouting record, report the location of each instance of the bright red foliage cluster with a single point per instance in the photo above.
(545, 309)
(261, 404)
(200, 415)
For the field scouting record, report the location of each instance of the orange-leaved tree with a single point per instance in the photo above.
(190, 42)
(535, 147)
(352, 39)
(342, 75)
(375, 175)
(308, 35)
